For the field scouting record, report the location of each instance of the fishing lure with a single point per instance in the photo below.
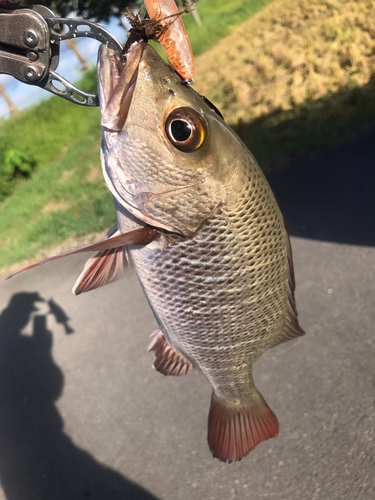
(174, 40)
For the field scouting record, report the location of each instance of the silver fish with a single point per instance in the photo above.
(219, 273)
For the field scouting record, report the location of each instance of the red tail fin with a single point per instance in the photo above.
(233, 431)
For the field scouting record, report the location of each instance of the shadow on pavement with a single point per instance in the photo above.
(330, 195)
(37, 460)
(327, 195)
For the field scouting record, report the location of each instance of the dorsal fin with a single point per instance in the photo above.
(291, 329)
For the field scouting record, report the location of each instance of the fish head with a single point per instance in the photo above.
(168, 157)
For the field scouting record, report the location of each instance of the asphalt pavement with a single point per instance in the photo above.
(83, 415)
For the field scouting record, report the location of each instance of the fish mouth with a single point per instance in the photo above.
(117, 77)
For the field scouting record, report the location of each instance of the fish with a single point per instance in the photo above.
(198, 223)
(219, 277)
(60, 316)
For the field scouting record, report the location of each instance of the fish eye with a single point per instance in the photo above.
(186, 129)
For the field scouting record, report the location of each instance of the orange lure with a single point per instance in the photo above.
(175, 40)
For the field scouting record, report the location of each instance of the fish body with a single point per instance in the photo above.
(219, 277)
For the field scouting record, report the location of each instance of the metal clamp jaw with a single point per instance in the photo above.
(29, 48)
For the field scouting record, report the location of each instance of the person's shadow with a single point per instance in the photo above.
(38, 461)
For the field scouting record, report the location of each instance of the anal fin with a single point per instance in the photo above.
(168, 361)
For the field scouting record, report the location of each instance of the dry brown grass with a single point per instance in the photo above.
(66, 175)
(94, 174)
(290, 52)
(55, 206)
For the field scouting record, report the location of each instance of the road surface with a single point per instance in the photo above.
(85, 416)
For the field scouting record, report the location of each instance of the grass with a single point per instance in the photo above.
(48, 128)
(64, 198)
(290, 52)
(279, 137)
(296, 76)
(219, 19)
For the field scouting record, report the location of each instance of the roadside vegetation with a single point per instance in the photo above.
(297, 76)
(219, 19)
(291, 78)
(42, 133)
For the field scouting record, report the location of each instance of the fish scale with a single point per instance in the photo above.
(197, 288)
(141, 160)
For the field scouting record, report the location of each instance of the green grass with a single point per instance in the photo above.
(46, 129)
(295, 78)
(31, 219)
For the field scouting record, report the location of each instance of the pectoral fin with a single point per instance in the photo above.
(142, 236)
(104, 267)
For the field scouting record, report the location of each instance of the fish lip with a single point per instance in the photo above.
(117, 83)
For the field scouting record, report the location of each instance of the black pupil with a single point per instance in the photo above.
(181, 130)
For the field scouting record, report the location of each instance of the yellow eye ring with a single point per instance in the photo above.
(186, 129)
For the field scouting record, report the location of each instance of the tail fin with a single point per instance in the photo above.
(234, 430)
